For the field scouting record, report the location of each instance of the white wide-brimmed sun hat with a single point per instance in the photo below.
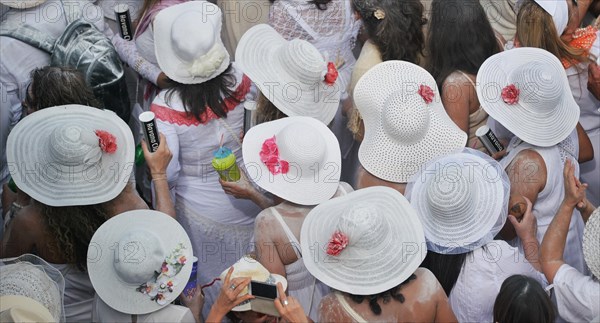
(295, 158)
(527, 91)
(591, 243)
(405, 122)
(150, 265)
(22, 4)
(187, 39)
(71, 155)
(293, 75)
(249, 267)
(31, 288)
(462, 201)
(363, 243)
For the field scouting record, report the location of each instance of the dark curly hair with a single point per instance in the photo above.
(73, 228)
(52, 86)
(387, 296)
(398, 35)
(460, 38)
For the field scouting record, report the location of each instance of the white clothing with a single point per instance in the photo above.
(145, 45)
(577, 295)
(219, 225)
(79, 293)
(170, 313)
(502, 15)
(485, 269)
(549, 199)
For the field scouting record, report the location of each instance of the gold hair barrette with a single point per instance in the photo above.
(379, 14)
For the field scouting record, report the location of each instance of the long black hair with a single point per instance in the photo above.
(386, 297)
(446, 268)
(321, 4)
(522, 299)
(399, 33)
(196, 98)
(460, 38)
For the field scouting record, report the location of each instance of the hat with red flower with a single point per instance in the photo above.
(363, 243)
(295, 158)
(139, 261)
(71, 155)
(527, 91)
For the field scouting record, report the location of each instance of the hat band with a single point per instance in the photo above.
(207, 64)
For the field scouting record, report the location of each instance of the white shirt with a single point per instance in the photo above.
(169, 313)
(473, 296)
(577, 295)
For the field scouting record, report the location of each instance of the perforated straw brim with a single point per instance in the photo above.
(591, 243)
(259, 54)
(532, 120)
(57, 183)
(382, 265)
(398, 159)
(462, 201)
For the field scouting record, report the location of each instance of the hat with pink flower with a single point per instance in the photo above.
(139, 261)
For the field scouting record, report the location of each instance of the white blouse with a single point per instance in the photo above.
(577, 295)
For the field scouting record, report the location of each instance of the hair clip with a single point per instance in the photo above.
(379, 14)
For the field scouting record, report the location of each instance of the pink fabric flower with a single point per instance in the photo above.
(182, 260)
(426, 93)
(269, 155)
(510, 94)
(337, 243)
(107, 141)
(332, 74)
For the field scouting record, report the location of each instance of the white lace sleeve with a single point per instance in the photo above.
(129, 54)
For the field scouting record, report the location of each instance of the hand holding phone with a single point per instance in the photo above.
(264, 295)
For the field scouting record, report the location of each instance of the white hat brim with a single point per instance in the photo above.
(379, 154)
(35, 173)
(534, 128)
(384, 268)
(175, 68)
(22, 4)
(463, 232)
(16, 308)
(120, 295)
(257, 55)
(304, 189)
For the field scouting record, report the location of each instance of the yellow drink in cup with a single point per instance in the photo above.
(224, 162)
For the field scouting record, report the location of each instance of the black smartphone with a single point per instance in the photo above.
(263, 290)
(264, 295)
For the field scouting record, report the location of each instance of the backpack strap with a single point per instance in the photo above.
(29, 35)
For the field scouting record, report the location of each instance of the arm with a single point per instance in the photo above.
(586, 150)
(228, 298)
(243, 189)
(289, 308)
(527, 232)
(157, 163)
(20, 236)
(456, 94)
(266, 249)
(553, 245)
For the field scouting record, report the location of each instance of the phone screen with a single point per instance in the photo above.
(263, 290)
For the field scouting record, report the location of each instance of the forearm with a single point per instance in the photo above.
(553, 245)
(587, 211)
(128, 53)
(162, 195)
(216, 315)
(531, 248)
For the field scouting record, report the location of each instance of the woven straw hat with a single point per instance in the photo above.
(150, 265)
(248, 267)
(309, 148)
(545, 112)
(186, 55)
(462, 201)
(591, 243)
(71, 155)
(290, 74)
(363, 243)
(41, 285)
(402, 130)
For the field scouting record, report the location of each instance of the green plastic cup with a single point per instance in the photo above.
(224, 162)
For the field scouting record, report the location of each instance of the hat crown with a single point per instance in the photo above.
(74, 145)
(451, 194)
(541, 87)
(300, 144)
(139, 254)
(405, 118)
(189, 48)
(303, 61)
(364, 227)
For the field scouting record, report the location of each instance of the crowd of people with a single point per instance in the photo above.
(385, 160)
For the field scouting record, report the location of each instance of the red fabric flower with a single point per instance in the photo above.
(426, 93)
(510, 94)
(332, 74)
(107, 141)
(337, 243)
(269, 155)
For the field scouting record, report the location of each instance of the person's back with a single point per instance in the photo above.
(424, 301)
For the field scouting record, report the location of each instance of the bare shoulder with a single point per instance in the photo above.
(425, 286)
(528, 168)
(330, 310)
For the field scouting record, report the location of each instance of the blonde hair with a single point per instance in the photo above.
(535, 28)
(266, 111)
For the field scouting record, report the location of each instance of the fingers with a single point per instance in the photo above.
(240, 284)
(145, 147)
(529, 205)
(513, 220)
(227, 280)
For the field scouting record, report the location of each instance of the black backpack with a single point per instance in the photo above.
(83, 47)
